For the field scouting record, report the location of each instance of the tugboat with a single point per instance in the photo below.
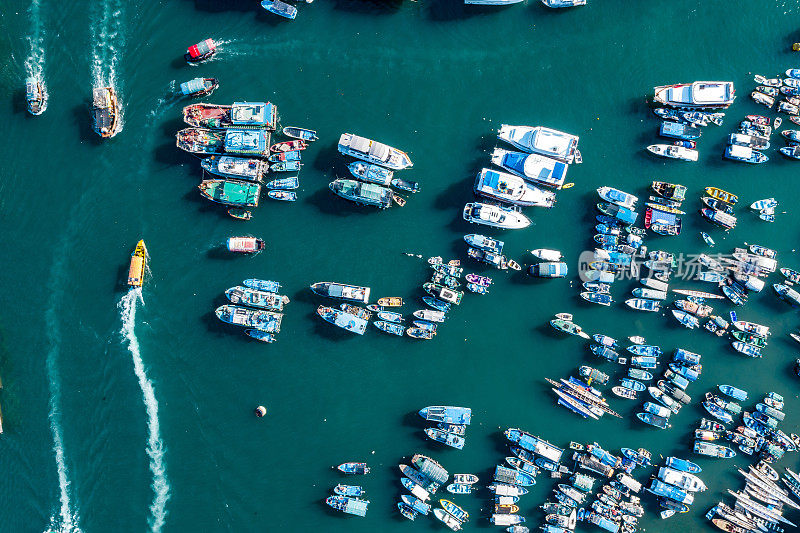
(138, 265)
(35, 96)
(105, 112)
(201, 51)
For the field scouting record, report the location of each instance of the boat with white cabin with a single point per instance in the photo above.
(541, 140)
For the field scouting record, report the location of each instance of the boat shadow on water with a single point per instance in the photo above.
(330, 204)
(373, 7)
(18, 104)
(82, 115)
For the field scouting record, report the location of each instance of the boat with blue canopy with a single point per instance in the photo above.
(344, 320)
(279, 8)
(447, 414)
(199, 87)
(538, 168)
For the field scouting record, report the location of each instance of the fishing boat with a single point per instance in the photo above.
(354, 506)
(390, 327)
(787, 294)
(592, 374)
(534, 167)
(604, 351)
(650, 294)
(597, 298)
(244, 245)
(105, 112)
(792, 152)
(286, 166)
(371, 173)
(35, 96)
(341, 291)
(389, 316)
(138, 265)
(542, 140)
(406, 511)
(683, 465)
(749, 141)
(443, 293)
(763, 99)
(197, 87)
(286, 196)
(511, 189)
(292, 155)
(791, 275)
(721, 195)
(232, 193)
(616, 196)
(669, 190)
(457, 512)
(303, 134)
(718, 217)
(718, 412)
(568, 327)
(342, 319)
(435, 303)
(200, 141)
(267, 321)
(717, 205)
(744, 154)
(495, 216)
(239, 115)
(746, 349)
(679, 130)
(548, 270)
(262, 285)
(283, 183)
(653, 420)
(256, 298)
(373, 152)
(348, 490)
(786, 107)
(430, 315)
(483, 281)
(259, 335)
(449, 439)
(713, 450)
(201, 51)
(673, 152)
(288, 146)
(279, 8)
(362, 193)
(696, 95)
(643, 304)
(485, 243)
(239, 168)
(733, 392)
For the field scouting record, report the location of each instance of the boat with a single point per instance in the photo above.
(138, 265)
(563, 3)
(430, 315)
(638, 373)
(792, 152)
(643, 304)
(256, 298)
(597, 298)
(279, 8)
(233, 193)
(267, 321)
(200, 141)
(718, 217)
(449, 439)
(259, 335)
(605, 340)
(283, 183)
(201, 51)
(592, 374)
(458, 513)
(390, 327)
(405, 185)
(604, 351)
(683, 465)
(787, 294)
(718, 412)
(197, 87)
(343, 319)
(105, 112)
(749, 141)
(721, 195)
(644, 349)
(696, 95)
(35, 96)
(484, 243)
(511, 189)
(650, 294)
(443, 293)
(447, 414)
(717, 205)
(341, 291)
(669, 190)
(763, 99)
(303, 134)
(286, 196)
(246, 245)
(633, 385)
(406, 511)
(618, 197)
(348, 490)
(237, 116)
(568, 327)
(534, 167)
(752, 327)
(435, 303)
(548, 270)
(362, 193)
(495, 216)
(371, 173)
(348, 505)
(653, 420)
(733, 392)
(482, 281)
(285, 166)
(744, 154)
(288, 146)
(791, 275)
(713, 450)
(673, 152)
(459, 488)
(707, 238)
(389, 316)
(541, 140)
(239, 168)
(679, 130)
(789, 109)
(262, 285)
(373, 152)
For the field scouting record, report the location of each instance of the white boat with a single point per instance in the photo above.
(491, 2)
(682, 480)
(533, 167)
(673, 152)
(496, 216)
(511, 189)
(697, 95)
(373, 152)
(541, 140)
(616, 196)
(564, 3)
(547, 255)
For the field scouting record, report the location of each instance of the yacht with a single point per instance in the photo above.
(541, 140)
(496, 216)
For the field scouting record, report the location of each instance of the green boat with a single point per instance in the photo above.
(235, 193)
(443, 293)
(568, 327)
(749, 338)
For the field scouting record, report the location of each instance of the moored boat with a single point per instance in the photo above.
(239, 168)
(362, 193)
(232, 193)
(341, 291)
(303, 134)
(390, 327)
(495, 216)
(239, 115)
(541, 140)
(744, 154)
(673, 152)
(696, 95)
(373, 152)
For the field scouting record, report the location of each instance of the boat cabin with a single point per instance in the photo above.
(254, 114)
(247, 142)
(201, 51)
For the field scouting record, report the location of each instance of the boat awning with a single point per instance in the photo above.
(249, 113)
(193, 86)
(253, 142)
(360, 144)
(203, 47)
(660, 217)
(742, 152)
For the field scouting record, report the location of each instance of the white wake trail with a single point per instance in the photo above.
(155, 446)
(34, 63)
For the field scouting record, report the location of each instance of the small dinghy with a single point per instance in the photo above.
(707, 238)
(240, 213)
(286, 196)
(300, 133)
(259, 335)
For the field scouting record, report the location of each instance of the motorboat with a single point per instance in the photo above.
(495, 216)
(564, 3)
(679, 130)
(201, 51)
(35, 96)
(696, 95)
(105, 112)
(511, 189)
(373, 152)
(548, 270)
(749, 141)
(368, 194)
(534, 167)
(138, 265)
(618, 197)
(303, 134)
(197, 87)
(280, 8)
(245, 245)
(541, 140)
(371, 173)
(673, 152)
(239, 168)
(232, 193)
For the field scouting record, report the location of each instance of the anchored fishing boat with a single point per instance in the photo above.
(241, 115)
(261, 320)
(233, 193)
(362, 193)
(239, 168)
(672, 151)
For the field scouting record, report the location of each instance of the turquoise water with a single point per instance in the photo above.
(137, 414)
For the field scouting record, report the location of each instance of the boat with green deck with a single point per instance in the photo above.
(234, 193)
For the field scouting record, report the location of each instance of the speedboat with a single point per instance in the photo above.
(495, 216)
(533, 167)
(618, 197)
(511, 189)
(541, 140)
(35, 96)
(280, 8)
(673, 152)
(696, 95)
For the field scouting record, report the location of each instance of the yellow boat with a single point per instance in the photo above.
(391, 301)
(721, 195)
(138, 265)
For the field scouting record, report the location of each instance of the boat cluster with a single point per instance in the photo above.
(348, 498)
(237, 139)
(675, 486)
(451, 427)
(256, 305)
(767, 93)
(489, 251)
(542, 162)
(374, 173)
(761, 504)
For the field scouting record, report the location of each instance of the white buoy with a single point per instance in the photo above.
(261, 411)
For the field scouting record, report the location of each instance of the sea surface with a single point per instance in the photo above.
(133, 411)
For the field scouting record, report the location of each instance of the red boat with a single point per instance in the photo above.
(759, 119)
(288, 146)
(245, 245)
(201, 51)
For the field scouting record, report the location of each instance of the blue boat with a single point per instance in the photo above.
(679, 130)
(687, 357)
(259, 335)
(638, 373)
(435, 303)
(390, 327)
(648, 362)
(416, 477)
(459, 488)
(267, 321)
(534, 167)
(353, 468)
(406, 511)
(390, 316)
(426, 325)
(371, 173)
(547, 270)
(604, 351)
(605, 340)
(199, 87)
(513, 476)
(683, 465)
(447, 414)
(352, 506)
(280, 8)
(632, 384)
(688, 320)
(449, 439)
(262, 285)
(665, 490)
(346, 321)
(597, 298)
(603, 456)
(733, 392)
(641, 457)
(689, 373)
(534, 444)
(733, 295)
(348, 490)
(746, 349)
(668, 114)
(718, 412)
(291, 155)
(286, 166)
(654, 420)
(284, 184)
(304, 134)
(645, 349)
(416, 504)
(286, 196)
(744, 154)
(485, 243)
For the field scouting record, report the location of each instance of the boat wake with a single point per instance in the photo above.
(34, 63)
(65, 520)
(107, 40)
(155, 446)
